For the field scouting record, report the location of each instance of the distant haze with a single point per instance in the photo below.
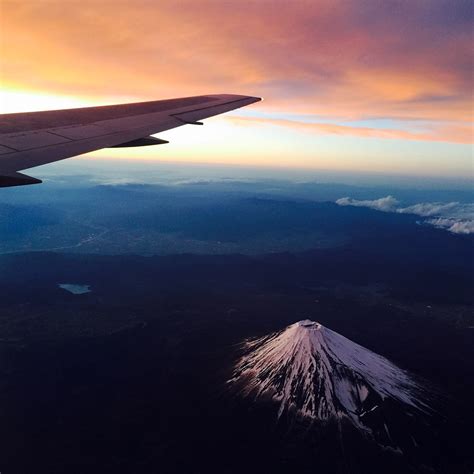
(98, 170)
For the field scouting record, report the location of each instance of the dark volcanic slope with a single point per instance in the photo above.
(128, 377)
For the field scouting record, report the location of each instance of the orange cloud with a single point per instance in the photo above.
(335, 59)
(454, 133)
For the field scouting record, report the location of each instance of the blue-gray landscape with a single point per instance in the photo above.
(125, 306)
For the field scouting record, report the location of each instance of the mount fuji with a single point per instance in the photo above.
(320, 376)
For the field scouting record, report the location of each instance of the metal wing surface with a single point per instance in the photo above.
(37, 138)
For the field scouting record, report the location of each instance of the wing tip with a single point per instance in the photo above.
(252, 99)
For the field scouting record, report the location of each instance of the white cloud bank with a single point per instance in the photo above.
(453, 216)
(385, 204)
(455, 226)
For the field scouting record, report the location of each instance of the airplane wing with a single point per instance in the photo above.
(36, 138)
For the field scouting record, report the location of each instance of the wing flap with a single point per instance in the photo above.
(28, 141)
(80, 132)
(5, 149)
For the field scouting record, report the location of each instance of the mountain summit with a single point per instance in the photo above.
(314, 372)
(363, 413)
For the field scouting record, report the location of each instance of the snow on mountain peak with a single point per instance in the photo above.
(321, 375)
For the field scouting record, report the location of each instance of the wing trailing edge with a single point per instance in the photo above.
(33, 139)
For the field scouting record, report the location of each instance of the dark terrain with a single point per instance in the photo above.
(131, 377)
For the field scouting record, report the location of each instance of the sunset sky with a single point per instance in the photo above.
(382, 86)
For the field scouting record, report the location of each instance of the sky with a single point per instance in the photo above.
(366, 86)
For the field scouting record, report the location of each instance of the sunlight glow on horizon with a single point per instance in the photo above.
(229, 140)
(15, 100)
(356, 89)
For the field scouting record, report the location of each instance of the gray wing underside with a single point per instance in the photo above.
(37, 138)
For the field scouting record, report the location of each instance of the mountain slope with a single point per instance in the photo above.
(322, 376)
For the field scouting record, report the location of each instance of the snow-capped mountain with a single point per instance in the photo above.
(309, 370)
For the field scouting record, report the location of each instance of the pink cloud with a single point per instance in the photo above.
(325, 57)
(441, 133)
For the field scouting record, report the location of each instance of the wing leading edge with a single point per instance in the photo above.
(37, 138)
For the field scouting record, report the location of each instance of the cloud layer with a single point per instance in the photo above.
(421, 132)
(385, 204)
(329, 58)
(455, 217)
